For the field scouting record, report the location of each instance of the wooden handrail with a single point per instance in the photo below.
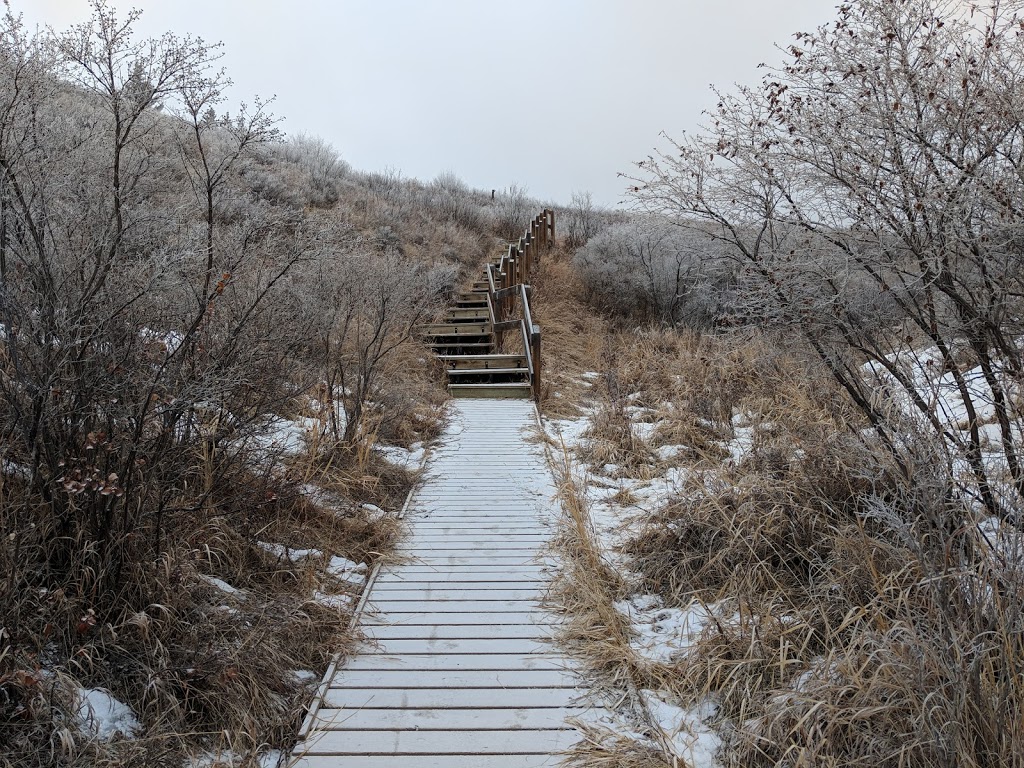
(513, 271)
(528, 351)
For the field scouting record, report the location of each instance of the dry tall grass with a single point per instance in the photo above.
(572, 333)
(217, 645)
(869, 619)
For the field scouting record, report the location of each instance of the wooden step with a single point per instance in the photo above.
(455, 329)
(510, 390)
(464, 314)
(489, 376)
(466, 362)
(487, 371)
(459, 347)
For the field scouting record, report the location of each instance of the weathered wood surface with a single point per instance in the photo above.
(457, 669)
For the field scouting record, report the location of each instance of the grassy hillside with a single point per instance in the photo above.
(211, 405)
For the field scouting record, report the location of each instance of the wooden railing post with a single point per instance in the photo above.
(527, 256)
(535, 347)
(551, 217)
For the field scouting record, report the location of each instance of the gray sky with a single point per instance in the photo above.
(556, 96)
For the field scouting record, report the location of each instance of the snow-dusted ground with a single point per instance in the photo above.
(616, 503)
(104, 717)
(938, 389)
(619, 501)
(411, 458)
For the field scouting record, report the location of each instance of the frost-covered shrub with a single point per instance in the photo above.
(513, 210)
(647, 269)
(451, 199)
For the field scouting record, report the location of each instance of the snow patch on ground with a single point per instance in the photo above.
(346, 570)
(281, 552)
(340, 602)
(13, 469)
(220, 584)
(103, 716)
(279, 435)
(410, 458)
(664, 634)
(375, 512)
(303, 676)
(685, 731)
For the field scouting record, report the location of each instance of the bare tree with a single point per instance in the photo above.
(108, 357)
(373, 303)
(216, 144)
(884, 156)
(650, 270)
(512, 212)
(581, 220)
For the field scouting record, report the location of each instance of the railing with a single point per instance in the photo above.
(508, 285)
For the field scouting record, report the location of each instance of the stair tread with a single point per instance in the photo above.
(496, 356)
(462, 344)
(484, 371)
(508, 385)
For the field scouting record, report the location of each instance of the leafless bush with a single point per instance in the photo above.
(372, 303)
(512, 212)
(825, 242)
(320, 163)
(580, 220)
(152, 315)
(649, 270)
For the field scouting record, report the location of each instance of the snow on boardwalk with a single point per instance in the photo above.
(459, 673)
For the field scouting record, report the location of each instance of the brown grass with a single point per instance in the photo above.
(870, 626)
(573, 334)
(201, 668)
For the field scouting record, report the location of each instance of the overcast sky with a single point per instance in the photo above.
(555, 95)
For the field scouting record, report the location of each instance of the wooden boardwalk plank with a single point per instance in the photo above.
(457, 669)
(457, 594)
(451, 662)
(434, 618)
(459, 571)
(457, 631)
(433, 719)
(459, 646)
(451, 698)
(413, 742)
(432, 761)
(385, 604)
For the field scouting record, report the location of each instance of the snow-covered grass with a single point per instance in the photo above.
(104, 717)
(666, 634)
(685, 732)
(411, 458)
(768, 559)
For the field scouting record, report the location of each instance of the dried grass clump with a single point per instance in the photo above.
(600, 748)
(874, 624)
(586, 589)
(573, 334)
(195, 661)
(773, 519)
(611, 439)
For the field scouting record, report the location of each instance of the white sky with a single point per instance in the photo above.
(555, 95)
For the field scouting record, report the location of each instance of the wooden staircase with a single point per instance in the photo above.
(469, 340)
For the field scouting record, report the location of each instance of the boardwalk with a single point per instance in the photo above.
(458, 673)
